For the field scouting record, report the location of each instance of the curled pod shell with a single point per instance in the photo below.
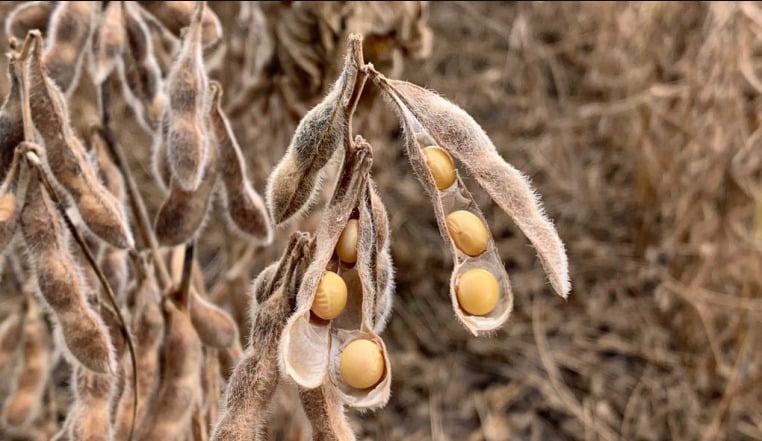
(432, 120)
(296, 179)
(109, 40)
(179, 390)
(83, 331)
(24, 401)
(245, 207)
(147, 325)
(11, 120)
(183, 213)
(304, 333)
(186, 143)
(67, 159)
(89, 416)
(10, 336)
(140, 73)
(27, 16)
(326, 414)
(177, 15)
(71, 25)
(255, 378)
(213, 324)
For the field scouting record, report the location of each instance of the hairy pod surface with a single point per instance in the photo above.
(179, 391)
(8, 219)
(109, 40)
(70, 28)
(255, 378)
(27, 16)
(213, 324)
(186, 141)
(245, 206)
(10, 335)
(11, 121)
(90, 414)
(67, 159)
(25, 400)
(326, 414)
(439, 122)
(83, 331)
(296, 179)
(176, 15)
(182, 214)
(140, 73)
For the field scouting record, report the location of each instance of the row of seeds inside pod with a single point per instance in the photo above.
(477, 289)
(362, 363)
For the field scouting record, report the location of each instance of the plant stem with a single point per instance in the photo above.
(185, 281)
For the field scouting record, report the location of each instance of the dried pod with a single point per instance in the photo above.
(245, 207)
(89, 416)
(10, 336)
(183, 212)
(213, 324)
(255, 378)
(210, 384)
(59, 282)
(71, 25)
(186, 141)
(432, 120)
(148, 328)
(384, 272)
(326, 414)
(165, 44)
(11, 121)
(179, 391)
(177, 15)
(23, 403)
(109, 40)
(67, 158)
(140, 73)
(304, 334)
(296, 179)
(27, 16)
(8, 219)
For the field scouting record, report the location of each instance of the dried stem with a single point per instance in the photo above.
(185, 281)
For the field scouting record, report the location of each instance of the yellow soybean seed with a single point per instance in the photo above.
(362, 364)
(468, 232)
(346, 247)
(331, 296)
(478, 291)
(441, 166)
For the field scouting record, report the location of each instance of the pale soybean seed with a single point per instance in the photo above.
(441, 166)
(468, 232)
(478, 291)
(330, 297)
(362, 364)
(346, 248)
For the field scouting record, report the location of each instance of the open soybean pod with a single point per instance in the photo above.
(255, 378)
(296, 180)
(109, 40)
(176, 15)
(306, 332)
(24, 401)
(71, 26)
(384, 268)
(27, 16)
(66, 156)
(139, 71)
(186, 141)
(441, 122)
(245, 207)
(183, 213)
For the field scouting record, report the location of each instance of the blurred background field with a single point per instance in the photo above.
(639, 125)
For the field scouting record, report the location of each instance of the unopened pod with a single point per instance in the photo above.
(431, 121)
(177, 15)
(27, 16)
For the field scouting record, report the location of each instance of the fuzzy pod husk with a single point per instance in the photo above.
(425, 114)
(245, 207)
(27, 16)
(186, 140)
(296, 179)
(66, 156)
(140, 73)
(176, 15)
(255, 378)
(59, 282)
(70, 29)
